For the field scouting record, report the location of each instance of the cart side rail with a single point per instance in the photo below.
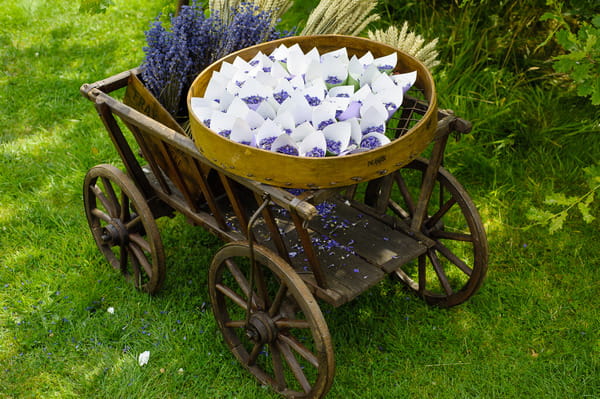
(175, 143)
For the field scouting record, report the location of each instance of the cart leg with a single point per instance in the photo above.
(271, 321)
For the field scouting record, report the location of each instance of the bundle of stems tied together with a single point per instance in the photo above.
(195, 40)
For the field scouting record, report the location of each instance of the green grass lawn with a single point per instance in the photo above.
(533, 330)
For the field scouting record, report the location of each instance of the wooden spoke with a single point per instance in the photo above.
(439, 271)
(140, 242)
(405, 193)
(440, 213)
(141, 258)
(254, 354)
(124, 211)
(422, 274)
(133, 223)
(294, 366)
(229, 293)
(300, 349)
(285, 323)
(454, 259)
(243, 283)
(442, 234)
(111, 195)
(137, 275)
(238, 276)
(398, 210)
(261, 287)
(235, 323)
(109, 206)
(123, 258)
(279, 297)
(101, 215)
(277, 361)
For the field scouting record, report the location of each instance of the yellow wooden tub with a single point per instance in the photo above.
(305, 172)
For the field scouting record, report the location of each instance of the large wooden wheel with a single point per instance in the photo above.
(453, 269)
(271, 321)
(455, 264)
(124, 227)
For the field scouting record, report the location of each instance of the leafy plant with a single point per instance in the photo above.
(582, 58)
(555, 220)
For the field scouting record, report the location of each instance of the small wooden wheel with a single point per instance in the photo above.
(453, 269)
(124, 227)
(271, 321)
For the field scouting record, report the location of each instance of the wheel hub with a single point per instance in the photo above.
(115, 233)
(261, 328)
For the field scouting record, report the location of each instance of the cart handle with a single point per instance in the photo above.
(450, 123)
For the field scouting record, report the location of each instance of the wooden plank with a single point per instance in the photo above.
(369, 238)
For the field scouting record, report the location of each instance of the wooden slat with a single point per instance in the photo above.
(370, 238)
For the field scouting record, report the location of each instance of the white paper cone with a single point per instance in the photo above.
(405, 80)
(313, 145)
(373, 108)
(298, 107)
(266, 134)
(381, 83)
(278, 71)
(323, 115)
(374, 140)
(337, 137)
(386, 63)
(254, 119)
(238, 108)
(340, 55)
(392, 99)
(300, 132)
(266, 111)
(228, 70)
(367, 59)
(313, 95)
(285, 145)
(372, 122)
(286, 122)
(341, 91)
(216, 86)
(221, 123)
(355, 131)
(241, 133)
(253, 93)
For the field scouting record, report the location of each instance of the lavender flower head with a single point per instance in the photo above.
(173, 59)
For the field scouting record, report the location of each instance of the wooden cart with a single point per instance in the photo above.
(286, 249)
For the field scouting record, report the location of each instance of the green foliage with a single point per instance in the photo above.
(94, 6)
(561, 204)
(582, 59)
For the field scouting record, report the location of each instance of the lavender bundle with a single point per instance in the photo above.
(173, 58)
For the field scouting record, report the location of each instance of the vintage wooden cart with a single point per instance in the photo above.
(287, 249)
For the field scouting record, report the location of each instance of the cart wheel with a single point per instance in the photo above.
(454, 268)
(282, 337)
(124, 227)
